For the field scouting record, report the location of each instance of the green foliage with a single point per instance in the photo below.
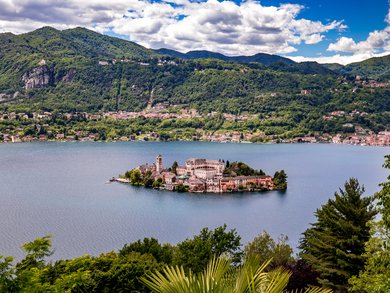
(265, 248)
(375, 277)
(78, 83)
(174, 166)
(109, 272)
(374, 68)
(138, 267)
(182, 188)
(196, 252)
(162, 253)
(383, 196)
(334, 245)
(136, 177)
(157, 183)
(280, 180)
(219, 277)
(7, 274)
(241, 169)
(36, 250)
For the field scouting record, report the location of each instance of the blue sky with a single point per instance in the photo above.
(361, 17)
(342, 31)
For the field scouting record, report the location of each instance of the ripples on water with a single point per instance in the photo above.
(60, 189)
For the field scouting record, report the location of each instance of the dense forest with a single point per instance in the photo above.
(345, 249)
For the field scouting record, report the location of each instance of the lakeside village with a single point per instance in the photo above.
(43, 130)
(203, 175)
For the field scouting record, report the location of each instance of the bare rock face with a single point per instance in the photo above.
(38, 77)
(9, 96)
(69, 75)
(3, 97)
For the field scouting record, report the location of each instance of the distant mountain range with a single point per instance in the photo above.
(272, 61)
(265, 59)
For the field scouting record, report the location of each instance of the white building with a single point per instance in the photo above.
(201, 168)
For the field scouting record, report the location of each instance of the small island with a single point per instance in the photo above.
(203, 175)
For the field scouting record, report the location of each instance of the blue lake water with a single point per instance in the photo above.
(60, 189)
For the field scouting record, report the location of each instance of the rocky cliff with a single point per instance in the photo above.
(43, 76)
(38, 77)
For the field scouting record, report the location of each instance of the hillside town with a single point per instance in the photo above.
(43, 131)
(203, 175)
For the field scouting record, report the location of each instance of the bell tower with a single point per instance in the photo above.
(159, 164)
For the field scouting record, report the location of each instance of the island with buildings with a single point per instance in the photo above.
(203, 175)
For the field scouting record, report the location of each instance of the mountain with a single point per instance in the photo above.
(334, 66)
(265, 59)
(377, 68)
(171, 53)
(78, 70)
(73, 48)
(308, 67)
(272, 61)
(373, 68)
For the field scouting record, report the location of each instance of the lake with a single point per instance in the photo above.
(61, 189)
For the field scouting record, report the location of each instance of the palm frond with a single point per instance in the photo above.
(220, 277)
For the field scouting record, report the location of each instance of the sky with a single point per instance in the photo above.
(326, 31)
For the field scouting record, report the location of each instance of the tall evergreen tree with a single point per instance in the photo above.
(334, 245)
(376, 274)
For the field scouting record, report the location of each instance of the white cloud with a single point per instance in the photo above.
(226, 27)
(376, 42)
(340, 59)
(313, 39)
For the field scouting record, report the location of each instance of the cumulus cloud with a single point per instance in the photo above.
(226, 27)
(376, 42)
(338, 58)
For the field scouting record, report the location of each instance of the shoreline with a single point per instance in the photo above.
(184, 140)
(126, 182)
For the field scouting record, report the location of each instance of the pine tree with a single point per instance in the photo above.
(334, 245)
(376, 274)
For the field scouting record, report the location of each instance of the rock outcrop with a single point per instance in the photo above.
(38, 77)
(69, 75)
(43, 76)
(9, 96)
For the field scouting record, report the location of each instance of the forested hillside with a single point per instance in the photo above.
(78, 70)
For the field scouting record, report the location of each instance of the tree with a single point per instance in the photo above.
(334, 245)
(383, 196)
(7, 274)
(376, 274)
(265, 248)
(36, 250)
(302, 276)
(375, 277)
(280, 180)
(125, 273)
(29, 267)
(162, 253)
(174, 167)
(135, 176)
(195, 253)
